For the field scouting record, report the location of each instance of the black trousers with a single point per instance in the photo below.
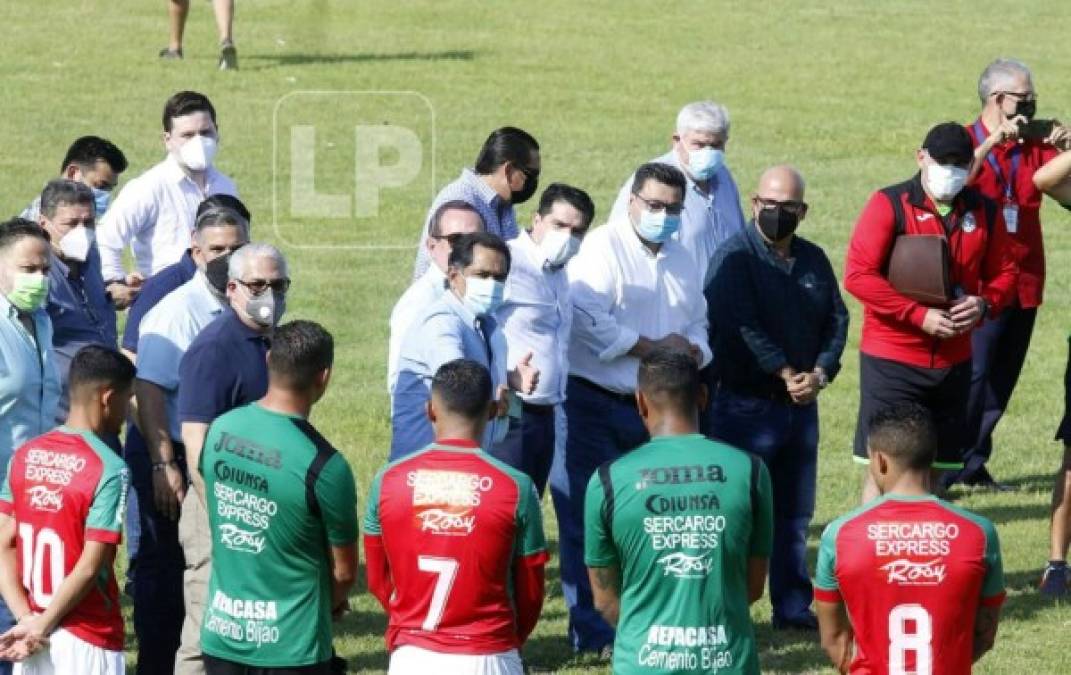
(999, 349)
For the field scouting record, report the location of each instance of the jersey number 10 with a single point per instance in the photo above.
(918, 640)
(33, 562)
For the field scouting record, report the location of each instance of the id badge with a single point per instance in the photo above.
(1011, 218)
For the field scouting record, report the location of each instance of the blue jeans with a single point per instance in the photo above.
(529, 445)
(600, 428)
(157, 586)
(785, 437)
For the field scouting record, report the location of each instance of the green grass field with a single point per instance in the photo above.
(843, 90)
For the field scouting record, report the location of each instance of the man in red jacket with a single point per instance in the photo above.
(1010, 147)
(910, 351)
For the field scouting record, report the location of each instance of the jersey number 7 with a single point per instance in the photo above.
(446, 571)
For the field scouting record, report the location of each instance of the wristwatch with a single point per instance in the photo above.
(823, 379)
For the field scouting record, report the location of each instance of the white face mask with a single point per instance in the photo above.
(945, 182)
(197, 153)
(559, 246)
(76, 244)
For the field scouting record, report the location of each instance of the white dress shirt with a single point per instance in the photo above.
(709, 217)
(536, 317)
(621, 291)
(155, 214)
(416, 299)
(166, 333)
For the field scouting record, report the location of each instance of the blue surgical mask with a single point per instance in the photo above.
(657, 228)
(483, 296)
(705, 162)
(101, 199)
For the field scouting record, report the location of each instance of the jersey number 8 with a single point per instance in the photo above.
(918, 640)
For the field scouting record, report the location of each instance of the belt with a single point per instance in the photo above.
(626, 399)
(536, 408)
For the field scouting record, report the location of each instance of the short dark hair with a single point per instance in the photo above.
(88, 150)
(16, 229)
(663, 173)
(220, 211)
(575, 197)
(185, 103)
(508, 144)
(671, 378)
(435, 226)
(223, 201)
(463, 248)
(300, 351)
(62, 192)
(98, 366)
(905, 432)
(464, 387)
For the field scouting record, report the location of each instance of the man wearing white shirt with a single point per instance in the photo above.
(452, 218)
(154, 214)
(712, 210)
(536, 319)
(634, 287)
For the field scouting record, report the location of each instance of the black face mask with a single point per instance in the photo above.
(531, 183)
(777, 223)
(1026, 108)
(216, 271)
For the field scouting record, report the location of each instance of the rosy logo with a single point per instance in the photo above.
(911, 573)
(243, 541)
(441, 521)
(43, 499)
(684, 566)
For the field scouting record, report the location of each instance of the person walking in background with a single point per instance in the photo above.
(179, 10)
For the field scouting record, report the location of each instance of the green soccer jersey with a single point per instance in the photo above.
(680, 517)
(278, 495)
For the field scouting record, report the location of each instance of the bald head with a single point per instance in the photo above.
(781, 183)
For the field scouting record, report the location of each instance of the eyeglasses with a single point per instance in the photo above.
(659, 206)
(789, 206)
(258, 286)
(450, 239)
(1021, 95)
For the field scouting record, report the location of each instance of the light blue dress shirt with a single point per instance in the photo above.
(166, 333)
(29, 385)
(709, 218)
(498, 215)
(447, 330)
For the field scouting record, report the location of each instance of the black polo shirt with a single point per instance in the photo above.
(224, 368)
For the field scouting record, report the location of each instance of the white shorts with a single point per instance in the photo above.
(410, 660)
(69, 655)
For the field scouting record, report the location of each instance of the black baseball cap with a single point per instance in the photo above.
(949, 143)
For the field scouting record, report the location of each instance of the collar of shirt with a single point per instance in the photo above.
(485, 191)
(766, 249)
(967, 200)
(457, 444)
(457, 305)
(240, 327)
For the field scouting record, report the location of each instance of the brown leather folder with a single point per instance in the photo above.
(919, 267)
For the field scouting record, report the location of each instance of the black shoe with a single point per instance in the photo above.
(984, 480)
(168, 54)
(228, 56)
(806, 622)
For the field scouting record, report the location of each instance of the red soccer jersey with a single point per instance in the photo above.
(912, 572)
(455, 548)
(63, 489)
